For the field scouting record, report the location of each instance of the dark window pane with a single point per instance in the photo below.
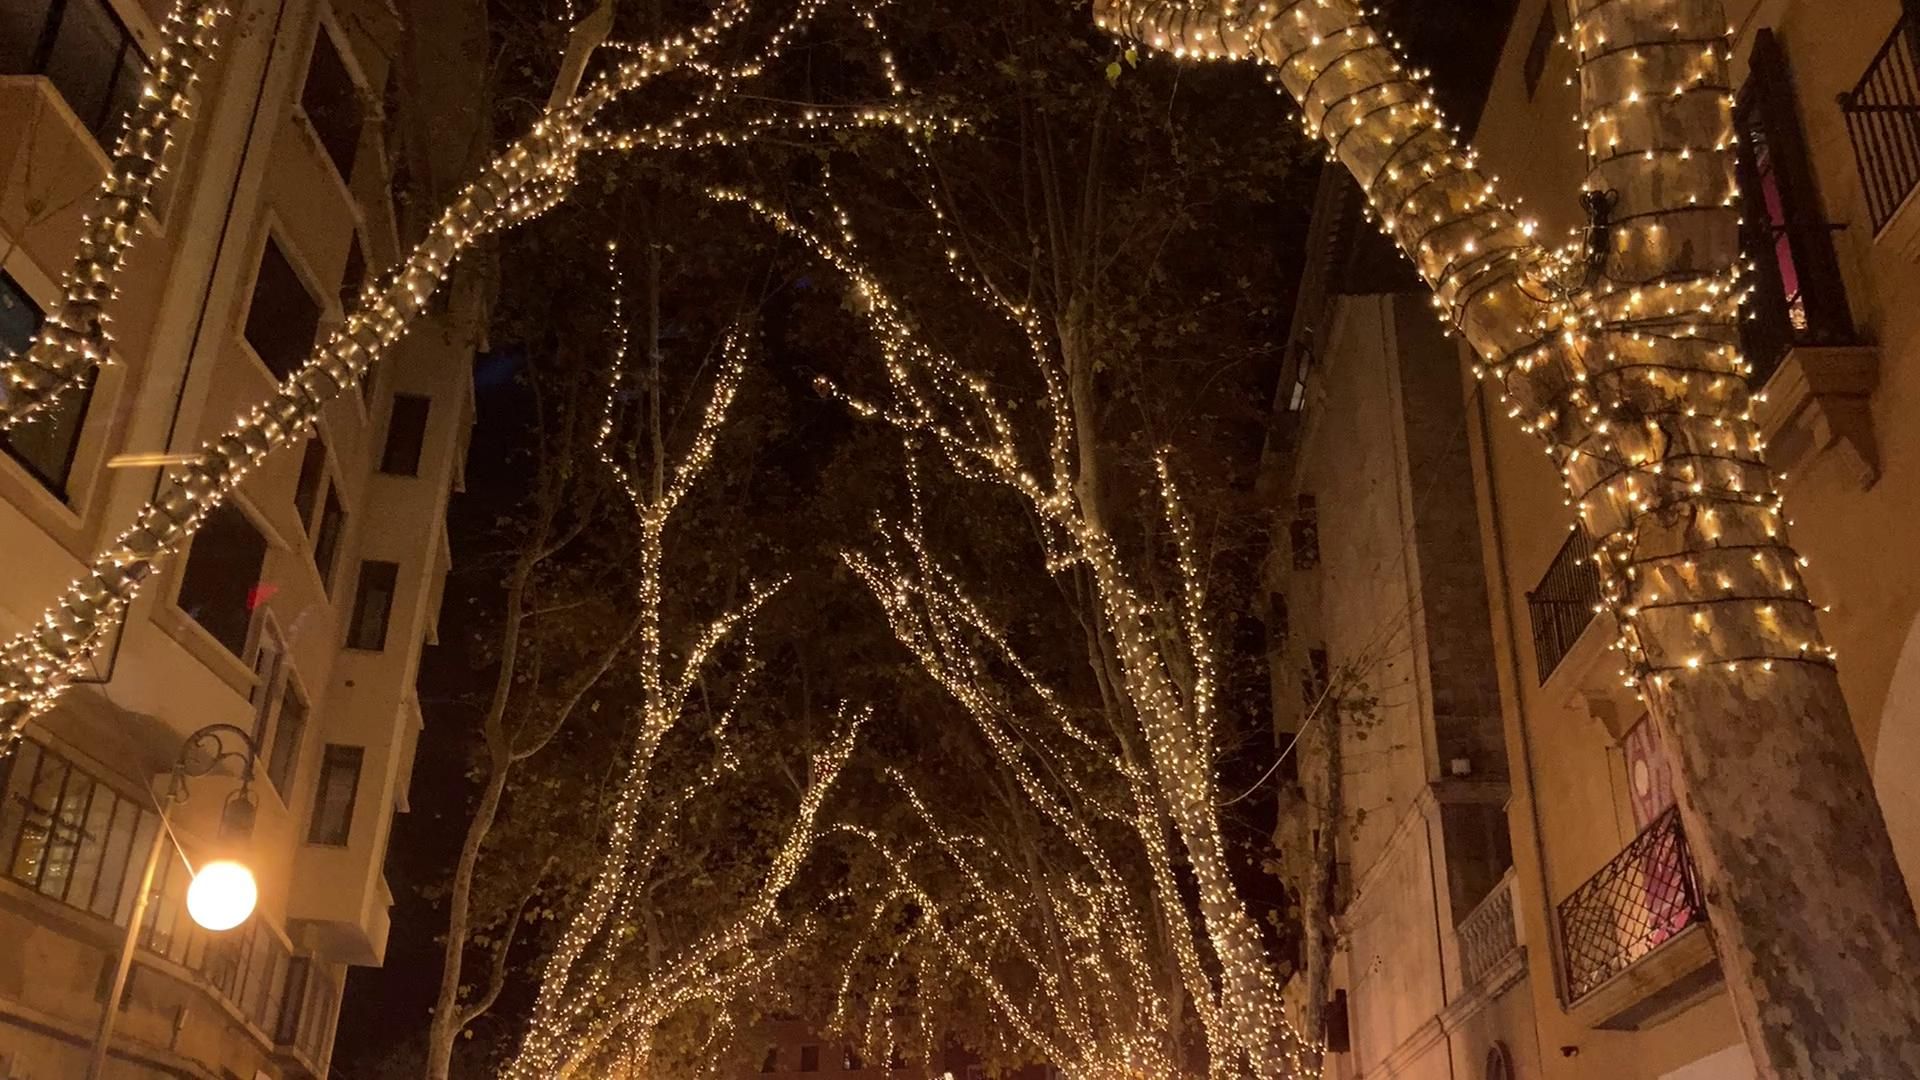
(1538, 49)
(326, 542)
(332, 103)
(372, 605)
(221, 585)
(333, 796)
(118, 851)
(46, 446)
(94, 64)
(809, 1059)
(22, 25)
(36, 831)
(284, 318)
(145, 835)
(406, 435)
(355, 276)
(287, 1028)
(17, 834)
(63, 847)
(313, 469)
(284, 761)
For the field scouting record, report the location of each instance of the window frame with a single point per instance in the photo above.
(106, 127)
(1539, 55)
(332, 758)
(356, 76)
(258, 610)
(354, 618)
(80, 404)
(1767, 110)
(272, 233)
(420, 447)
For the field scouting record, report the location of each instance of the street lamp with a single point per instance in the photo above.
(223, 891)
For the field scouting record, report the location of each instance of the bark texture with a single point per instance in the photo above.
(1625, 360)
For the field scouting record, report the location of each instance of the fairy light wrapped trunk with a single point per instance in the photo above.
(532, 175)
(1627, 364)
(74, 339)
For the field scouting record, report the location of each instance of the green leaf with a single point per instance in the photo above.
(1133, 57)
(1113, 72)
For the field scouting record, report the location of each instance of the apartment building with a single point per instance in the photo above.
(298, 612)
(1385, 665)
(1592, 957)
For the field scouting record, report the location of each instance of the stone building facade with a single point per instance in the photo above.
(298, 612)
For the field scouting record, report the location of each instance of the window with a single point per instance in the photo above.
(354, 277)
(850, 1059)
(333, 797)
(331, 101)
(771, 1063)
(68, 836)
(373, 605)
(313, 469)
(84, 49)
(283, 760)
(1540, 48)
(283, 318)
(268, 656)
(1314, 679)
(221, 585)
(1797, 295)
(406, 435)
(1305, 533)
(810, 1059)
(306, 1010)
(326, 542)
(326, 531)
(45, 445)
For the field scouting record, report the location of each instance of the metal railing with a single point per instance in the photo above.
(1639, 901)
(1883, 120)
(1487, 935)
(1564, 602)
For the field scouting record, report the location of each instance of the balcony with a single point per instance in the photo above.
(1488, 937)
(1564, 602)
(1883, 121)
(1632, 939)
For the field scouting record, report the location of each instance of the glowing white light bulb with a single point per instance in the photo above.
(222, 895)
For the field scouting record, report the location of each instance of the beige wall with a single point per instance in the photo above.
(1570, 810)
(183, 370)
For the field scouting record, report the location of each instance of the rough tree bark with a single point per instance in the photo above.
(1627, 364)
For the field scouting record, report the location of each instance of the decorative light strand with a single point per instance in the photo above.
(74, 338)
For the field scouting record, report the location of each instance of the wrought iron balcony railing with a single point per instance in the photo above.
(1564, 602)
(1487, 935)
(1639, 901)
(1883, 120)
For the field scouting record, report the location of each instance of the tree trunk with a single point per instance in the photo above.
(1627, 365)
(444, 1030)
(74, 339)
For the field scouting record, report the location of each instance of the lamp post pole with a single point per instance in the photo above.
(200, 754)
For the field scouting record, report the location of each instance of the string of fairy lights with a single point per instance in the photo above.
(1618, 349)
(574, 984)
(954, 411)
(738, 953)
(1621, 358)
(534, 174)
(75, 338)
